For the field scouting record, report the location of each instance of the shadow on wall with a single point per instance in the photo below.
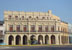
(2, 43)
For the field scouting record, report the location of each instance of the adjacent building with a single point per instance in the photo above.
(2, 28)
(70, 33)
(24, 28)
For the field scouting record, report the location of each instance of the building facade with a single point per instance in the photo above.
(2, 29)
(24, 28)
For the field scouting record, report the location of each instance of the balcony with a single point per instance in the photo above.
(56, 32)
(33, 31)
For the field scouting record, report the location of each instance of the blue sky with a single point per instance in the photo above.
(61, 8)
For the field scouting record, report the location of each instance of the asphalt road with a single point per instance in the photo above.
(38, 48)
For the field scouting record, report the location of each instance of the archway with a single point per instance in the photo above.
(18, 40)
(24, 39)
(46, 39)
(53, 39)
(11, 38)
(40, 39)
(32, 38)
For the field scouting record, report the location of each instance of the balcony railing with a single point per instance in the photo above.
(37, 31)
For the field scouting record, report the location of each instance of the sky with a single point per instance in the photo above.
(61, 8)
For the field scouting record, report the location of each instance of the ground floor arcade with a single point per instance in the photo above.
(26, 39)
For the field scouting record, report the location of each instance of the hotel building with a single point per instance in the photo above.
(24, 28)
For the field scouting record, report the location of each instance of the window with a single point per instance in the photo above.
(43, 17)
(22, 17)
(25, 28)
(18, 28)
(29, 16)
(16, 17)
(37, 17)
(46, 28)
(11, 28)
(40, 28)
(9, 17)
(32, 28)
(52, 29)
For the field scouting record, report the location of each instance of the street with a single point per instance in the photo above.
(38, 48)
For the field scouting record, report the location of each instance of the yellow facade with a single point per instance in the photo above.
(58, 35)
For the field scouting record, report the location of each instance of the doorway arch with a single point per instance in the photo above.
(40, 39)
(11, 39)
(24, 40)
(18, 40)
(46, 39)
(32, 38)
(53, 39)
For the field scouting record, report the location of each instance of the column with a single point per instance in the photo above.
(49, 28)
(6, 39)
(21, 27)
(28, 40)
(57, 39)
(14, 27)
(36, 28)
(60, 40)
(43, 27)
(49, 39)
(37, 37)
(60, 28)
(56, 28)
(14, 41)
(67, 39)
(43, 39)
(29, 26)
(21, 40)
